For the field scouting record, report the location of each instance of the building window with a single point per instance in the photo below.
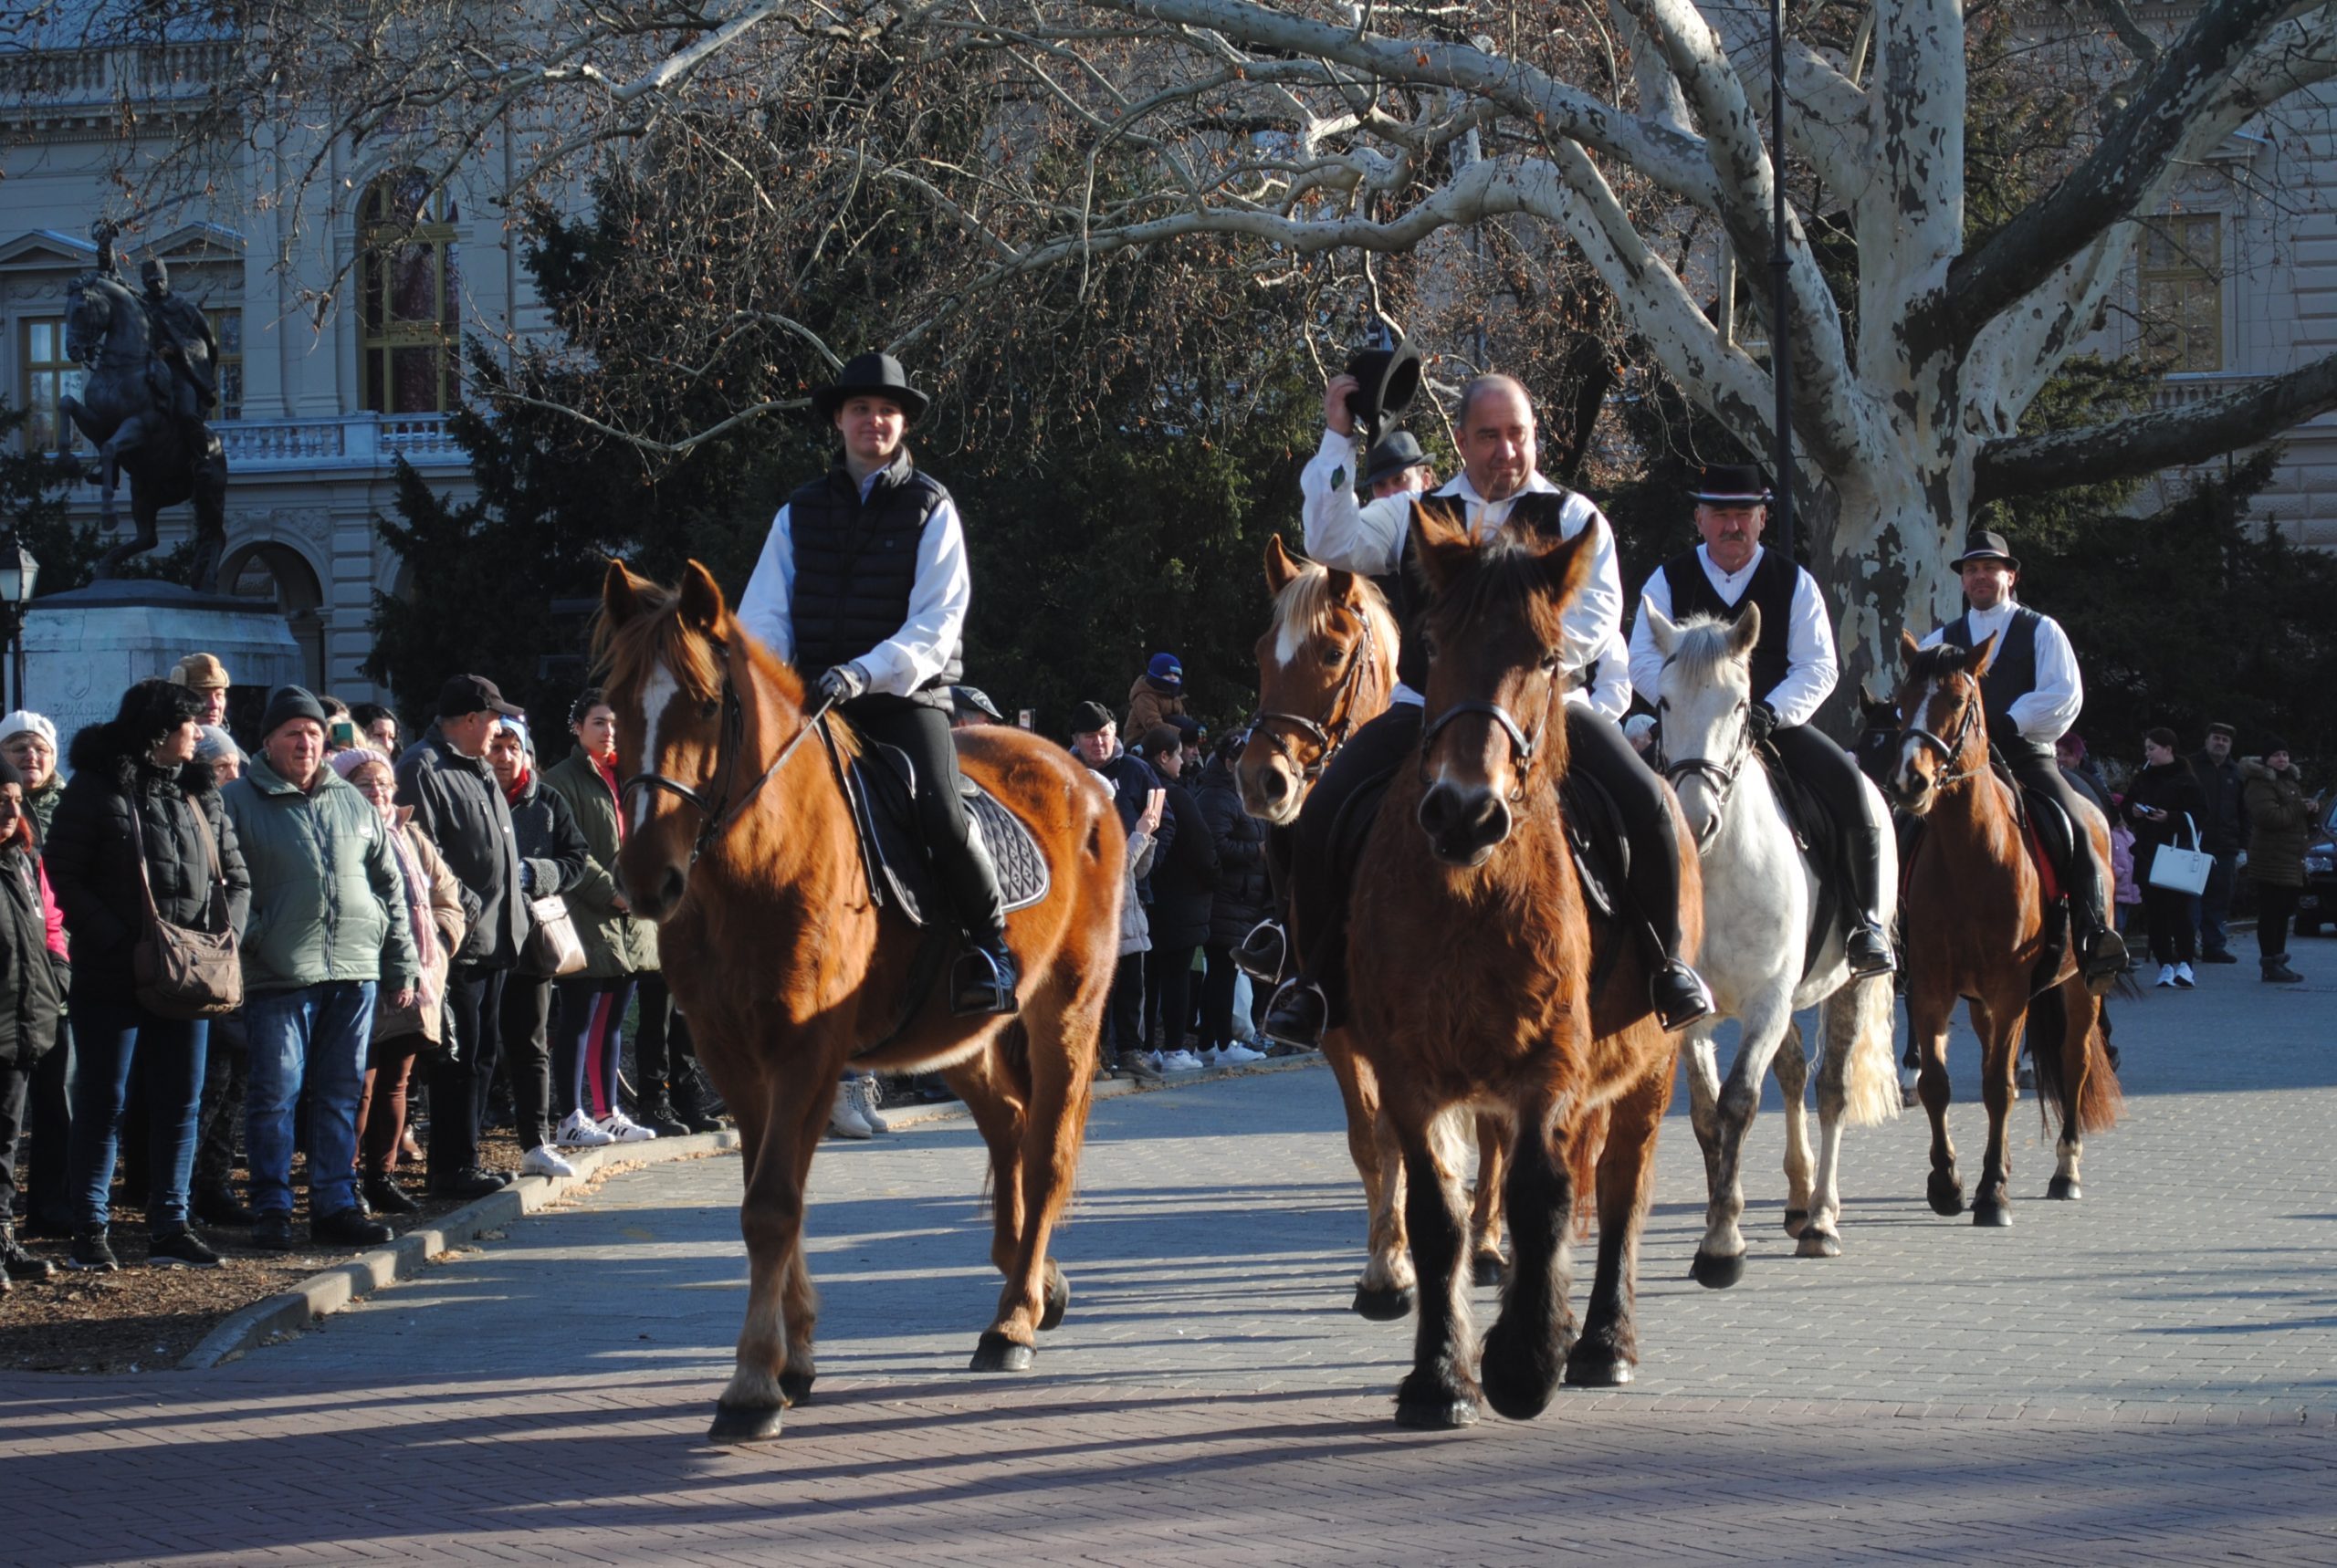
(2180, 270)
(227, 370)
(412, 286)
(50, 376)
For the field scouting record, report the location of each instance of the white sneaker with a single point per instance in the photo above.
(543, 1160)
(623, 1129)
(844, 1120)
(2183, 978)
(580, 1131)
(2166, 975)
(1236, 1054)
(1179, 1061)
(866, 1095)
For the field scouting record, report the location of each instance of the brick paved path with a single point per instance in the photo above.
(2151, 1374)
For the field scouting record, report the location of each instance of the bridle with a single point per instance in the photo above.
(1718, 777)
(723, 809)
(1523, 746)
(1337, 724)
(1953, 747)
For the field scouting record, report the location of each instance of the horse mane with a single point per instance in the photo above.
(1303, 610)
(627, 654)
(1931, 663)
(1504, 578)
(1701, 649)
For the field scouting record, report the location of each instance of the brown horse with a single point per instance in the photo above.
(1326, 667)
(1977, 927)
(740, 844)
(1470, 955)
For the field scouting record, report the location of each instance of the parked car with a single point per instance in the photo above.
(2317, 906)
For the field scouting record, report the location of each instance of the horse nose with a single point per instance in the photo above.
(1275, 785)
(1463, 824)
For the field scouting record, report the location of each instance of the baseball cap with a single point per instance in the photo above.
(474, 694)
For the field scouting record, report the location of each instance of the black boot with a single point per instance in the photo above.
(16, 1263)
(695, 1100)
(215, 1204)
(656, 1113)
(1262, 952)
(2277, 970)
(1869, 950)
(386, 1196)
(985, 977)
(1679, 995)
(1298, 1015)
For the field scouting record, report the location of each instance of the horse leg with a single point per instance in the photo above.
(771, 1219)
(1608, 1354)
(1383, 1291)
(1720, 1256)
(1485, 1265)
(1792, 1069)
(1526, 1348)
(1820, 1236)
(2000, 1035)
(999, 1109)
(1438, 1391)
(1059, 1049)
(2079, 1011)
(1927, 1020)
(1703, 1101)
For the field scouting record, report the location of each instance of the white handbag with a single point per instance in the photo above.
(2180, 869)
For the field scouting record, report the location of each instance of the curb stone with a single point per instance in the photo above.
(322, 1295)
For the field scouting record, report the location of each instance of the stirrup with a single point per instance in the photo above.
(1876, 958)
(1262, 952)
(1298, 1015)
(1679, 996)
(983, 982)
(2102, 958)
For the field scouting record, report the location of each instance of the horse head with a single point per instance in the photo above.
(693, 714)
(1878, 742)
(1324, 666)
(102, 321)
(1497, 675)
(1706, 701)
(1944, 726)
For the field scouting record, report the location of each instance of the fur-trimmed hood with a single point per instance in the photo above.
(2257, 768)
(98, 749)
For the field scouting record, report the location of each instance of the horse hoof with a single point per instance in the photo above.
(1384, 1304)
(1994, 1216)
(1436, 1415)
(795, 1387)
(1818, 1244)
(1489, 1269)
(1796, 1218)
(996, 1352)
(2064, 1189)
(1946, 1194)
(1714, 1272)
(1058, 1298)
(744, 1422)
(1597, 1372)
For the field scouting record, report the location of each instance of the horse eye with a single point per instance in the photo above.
(708, 708)
(1549, 660)
(1333, 657)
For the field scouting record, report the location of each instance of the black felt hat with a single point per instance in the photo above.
(1392, 456)
(1387, 380)
(1730, 485)
(870, 374)
(1984, 544)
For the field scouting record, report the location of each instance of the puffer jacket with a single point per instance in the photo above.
(1184, 876)
(2279, 820)
(1244, 893)
(427, 1017)
(328, 899)
(118, 808)
(1136, 931)
(33, 979)
(551, 850)
(459, 805)
(615, 942)
(1148, 705)
(40, 805)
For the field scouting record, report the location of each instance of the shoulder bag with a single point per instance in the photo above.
(2181, 870)
(178, 972)
(552, 948)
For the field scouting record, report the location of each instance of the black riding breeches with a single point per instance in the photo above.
(2034, 768)
(1595, 747)
(1814, 759)
(959, 861)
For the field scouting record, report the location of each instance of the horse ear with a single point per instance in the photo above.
(1343, 586)
(620, 596)
(1661, 627)
(1439, 540)
(1281, 567)
(1907, 646)
(1746, 632)
(702, 599)
(1978, 660)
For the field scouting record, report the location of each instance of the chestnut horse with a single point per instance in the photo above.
(1326, 667)
(1977, 927)
(1470, 964)
(740, 844)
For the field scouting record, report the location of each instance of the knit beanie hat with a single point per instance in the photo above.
(519, 728)
(1165, 671)
(2273, 742)
(356, 757)
(217, 744)
(24, 719)
(10, 774)
(1089, 717)
(288, 703)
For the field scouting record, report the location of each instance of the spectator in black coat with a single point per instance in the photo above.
(1095, 740)
(1244, 896)
(137, 799)
(1184, 886)
(2222, 830)
(2165, 805)
(553, 853)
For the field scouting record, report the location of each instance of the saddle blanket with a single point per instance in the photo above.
(882, 785)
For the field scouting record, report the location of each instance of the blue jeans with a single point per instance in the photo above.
(109, 1033)
(317, 1034)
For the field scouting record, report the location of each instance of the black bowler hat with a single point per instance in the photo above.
(1392, 456)
(1982, 544)
(1730, 485)
(1387, 380)
(870, 374)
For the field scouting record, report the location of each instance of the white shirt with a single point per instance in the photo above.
(1610, 691)
(2051, 707)
(926, 640)
(1369, 537)
(1810, 668)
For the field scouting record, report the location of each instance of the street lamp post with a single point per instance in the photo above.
(19, 574)
(1781, 300)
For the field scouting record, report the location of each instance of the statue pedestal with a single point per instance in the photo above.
(85, 648)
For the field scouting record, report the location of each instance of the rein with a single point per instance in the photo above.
(724, 810)
(1337, 721)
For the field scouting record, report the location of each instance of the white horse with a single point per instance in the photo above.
(1760, 892)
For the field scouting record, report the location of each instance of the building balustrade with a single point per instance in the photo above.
(340, 441)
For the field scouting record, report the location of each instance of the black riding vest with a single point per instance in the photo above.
(856, 567)
(1407, 597)
(1774, 580)
(2012, 674)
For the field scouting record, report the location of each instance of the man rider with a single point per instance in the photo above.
(864, 578)
(1498, 477)
(1793, 672)
(2031, 692)
(184, 341)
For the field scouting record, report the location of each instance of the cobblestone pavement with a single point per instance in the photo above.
(2150, 1374)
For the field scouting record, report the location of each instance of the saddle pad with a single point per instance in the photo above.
(882, 783)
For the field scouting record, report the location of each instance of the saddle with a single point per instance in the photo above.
(882, 785)
(2045, 828)
(1820, 839)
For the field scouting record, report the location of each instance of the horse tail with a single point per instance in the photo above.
(2048, 1028)
(1869, 1067)
(2105, 1099)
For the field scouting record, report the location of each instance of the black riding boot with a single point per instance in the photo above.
(1675, 990)
(1814, 759)
(985, 977)
(2100, 951)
